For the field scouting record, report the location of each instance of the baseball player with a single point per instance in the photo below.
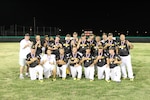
(114, 62)
(38, 44)
(55, 45)
(101, 62)
(75, 65)
(75, 39)
(62, 60)
(124, 52)
(33, 61)
(25, 48)
(110, 42)
(48, 61)
(88, 61)
(82, 44)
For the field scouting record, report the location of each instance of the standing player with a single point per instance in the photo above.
(67, 44)
(110, 42)
(82, 44)
(25, 45)
(55, 45)
(104, 37)
(75, 39)
(124, 52)
(38, 44)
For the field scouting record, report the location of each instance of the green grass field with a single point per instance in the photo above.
(12, 88)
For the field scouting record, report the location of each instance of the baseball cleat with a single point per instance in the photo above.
(74, 78)
(91, 80)
(108, 81)
(78, 79)
(63, 79)
(21, 77)
(131, 79)
(41, 81)
(54, 79)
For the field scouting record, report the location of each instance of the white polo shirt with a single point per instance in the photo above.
(50, 59)
(24, 51)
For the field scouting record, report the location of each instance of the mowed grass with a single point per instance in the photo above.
(12, 88)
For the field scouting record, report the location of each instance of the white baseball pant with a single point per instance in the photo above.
(126, 67)
(36, 70)
(115, 73)
(89, 72)
(103, 72)
(76, 71)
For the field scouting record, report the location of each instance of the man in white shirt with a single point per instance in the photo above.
(25, 48)
(48, 61)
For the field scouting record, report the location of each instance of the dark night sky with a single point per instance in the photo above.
(73, 15)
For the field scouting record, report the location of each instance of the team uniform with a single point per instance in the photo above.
(76, 68)
(92, 44)
(101, 64)
(113, 43)
(35, 67)
(97, 45)
(124, 53)
(82, 46)
(89, 66)
(67, 46)
(38, 48)
(56, 45)
(115, 71)
(61, 68)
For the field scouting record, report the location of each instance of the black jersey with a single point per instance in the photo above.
(112, 42)
(97, 45)
(35, 63)
(82, 46)
(54, 44)
(123, 48)
(39, 47)
(62, 57)
(101, 62)
(72, 57)
(115, 57)
(67, 46)
(88, 62)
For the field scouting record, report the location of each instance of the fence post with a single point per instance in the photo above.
(43, 30)
(24, 30)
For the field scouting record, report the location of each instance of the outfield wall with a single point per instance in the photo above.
(18, 38)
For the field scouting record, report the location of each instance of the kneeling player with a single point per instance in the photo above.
(61, 60)
(114, 62)
(48, 61)
(101, 63)
(75, 65)
(88, 61)
(33, 61)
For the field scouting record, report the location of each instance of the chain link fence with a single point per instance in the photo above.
(18, 30)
